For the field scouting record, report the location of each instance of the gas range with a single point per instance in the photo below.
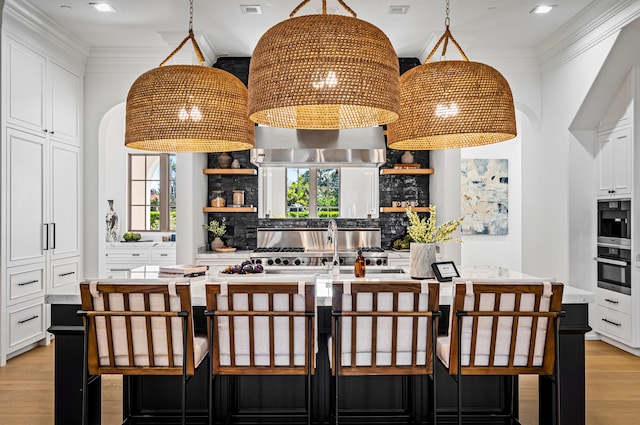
(299, 256)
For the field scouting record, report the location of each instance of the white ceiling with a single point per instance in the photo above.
(487, 24)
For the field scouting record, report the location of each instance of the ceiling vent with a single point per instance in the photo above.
(251, 9)
(398, 10)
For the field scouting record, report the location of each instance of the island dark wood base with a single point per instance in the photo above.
(281, 399)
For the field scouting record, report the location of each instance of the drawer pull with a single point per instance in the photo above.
(164, 255)
(29, 282)
(612, 323)
(135, 255)
(66, 274)
(120, 270)
(612, 301)
(20, 322)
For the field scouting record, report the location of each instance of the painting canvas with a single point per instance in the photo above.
(485, 196)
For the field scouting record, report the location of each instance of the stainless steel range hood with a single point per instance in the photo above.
(362, 147)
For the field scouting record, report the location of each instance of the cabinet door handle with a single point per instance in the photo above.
(612, 323)
(135, 255)
(66, 274)
(164, 255)
(45, 228)
(53, 238)
(612, 301)
(20, 322)
(28, 282)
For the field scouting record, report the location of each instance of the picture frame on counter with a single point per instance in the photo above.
(445, 271)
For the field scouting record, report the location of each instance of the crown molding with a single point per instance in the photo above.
(584, 31)
(30, 22)
(124, 60)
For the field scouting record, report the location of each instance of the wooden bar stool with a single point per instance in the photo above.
(503, 328)
(262, 328)
(384, 328)
(139, 328)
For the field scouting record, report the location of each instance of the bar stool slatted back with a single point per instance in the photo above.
(503, 328)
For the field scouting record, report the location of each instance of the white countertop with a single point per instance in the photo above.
(324, 280)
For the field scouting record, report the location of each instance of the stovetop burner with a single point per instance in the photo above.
(279, 249)
(371, 249)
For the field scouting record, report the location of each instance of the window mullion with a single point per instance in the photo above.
(164, 192)
(313, 193)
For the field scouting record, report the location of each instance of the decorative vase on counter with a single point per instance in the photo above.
(406, 158)
(421, 256)
(113, 223)
(216, 243)
(224, 160)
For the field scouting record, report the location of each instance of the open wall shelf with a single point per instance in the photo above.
(229, 209)
(406, 171)
(231, 171)
(403, 209)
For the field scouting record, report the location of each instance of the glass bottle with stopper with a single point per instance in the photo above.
(359, 268)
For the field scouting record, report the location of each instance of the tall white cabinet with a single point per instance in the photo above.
(617, 318)
(41, 185)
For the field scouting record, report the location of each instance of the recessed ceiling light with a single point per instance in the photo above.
(398, 10)
(251, 9)
(542, 9)
(102, 7)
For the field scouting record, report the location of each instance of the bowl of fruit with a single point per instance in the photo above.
(246, 267)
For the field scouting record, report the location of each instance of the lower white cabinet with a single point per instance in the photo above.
(615, 316)
(25, 282)
(122, 257)
(27, 324)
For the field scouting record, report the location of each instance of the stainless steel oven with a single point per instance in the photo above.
(614, 222)
(614, 268)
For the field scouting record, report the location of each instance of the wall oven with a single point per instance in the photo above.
(614, 222)
(614, 268)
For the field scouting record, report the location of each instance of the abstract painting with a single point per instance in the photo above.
(485, 196)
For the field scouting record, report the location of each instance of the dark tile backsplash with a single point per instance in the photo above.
(241, 231)
(242, 227)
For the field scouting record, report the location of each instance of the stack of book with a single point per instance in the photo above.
(182, 270)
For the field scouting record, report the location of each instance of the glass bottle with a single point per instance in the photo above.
(360, 265)
(218, 199)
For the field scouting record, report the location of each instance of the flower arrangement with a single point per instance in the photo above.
(217, 228)
(426, 231)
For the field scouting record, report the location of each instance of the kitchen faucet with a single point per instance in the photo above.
(332, 237)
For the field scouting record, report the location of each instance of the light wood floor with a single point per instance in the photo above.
(613, 389)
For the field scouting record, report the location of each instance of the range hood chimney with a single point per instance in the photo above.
(360, 147)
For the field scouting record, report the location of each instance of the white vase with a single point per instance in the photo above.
(421, 256)
(113, 224)
(216, 243)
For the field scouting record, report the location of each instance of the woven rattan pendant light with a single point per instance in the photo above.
(188, 108)
(324, 72)
(452, 104)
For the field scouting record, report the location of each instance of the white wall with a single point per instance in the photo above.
(501, 250)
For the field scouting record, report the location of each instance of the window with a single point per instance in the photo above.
(152, 192)
(313, 192)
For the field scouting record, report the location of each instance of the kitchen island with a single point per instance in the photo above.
(364, 399)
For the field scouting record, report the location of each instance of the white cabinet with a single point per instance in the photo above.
(122, 257)
(43, 197)
(614, 316)
(42, 95)
(615, 170)
(40, 205)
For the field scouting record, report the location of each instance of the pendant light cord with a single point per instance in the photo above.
(324, 8)
(191, 37)
(445, 38)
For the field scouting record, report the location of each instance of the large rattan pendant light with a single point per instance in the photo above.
(452, 104)
(324, 72)
(188, 108)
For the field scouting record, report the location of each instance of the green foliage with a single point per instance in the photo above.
(426, 230)
(216, 228)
